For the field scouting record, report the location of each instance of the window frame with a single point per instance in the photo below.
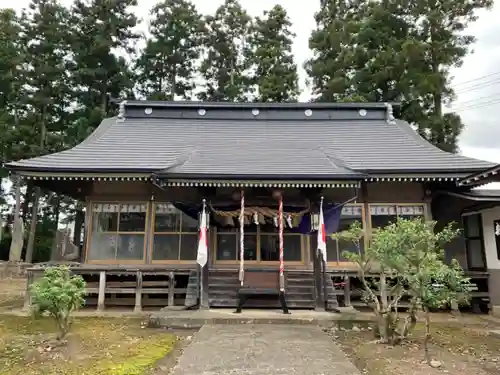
(179, 233)
(258, 234)
(468, 238)
(90, 233)
(342, 263)
(379, 204)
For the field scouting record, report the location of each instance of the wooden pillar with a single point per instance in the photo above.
(204, 275)
(347, 291)
(171, 289)
(138, 293)
(27, 296)
(320, 301)
(102, 290)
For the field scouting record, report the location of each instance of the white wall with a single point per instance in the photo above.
(487, 217)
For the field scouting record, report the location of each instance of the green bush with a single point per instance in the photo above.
(58, 293)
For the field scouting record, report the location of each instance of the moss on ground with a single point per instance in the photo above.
(461, 349)
(95, 346)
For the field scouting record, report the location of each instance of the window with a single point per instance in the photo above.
(474, 246)
(382, 215)
(175, 234)
(334, 248)
(117, 232)
(228, 243)
(270, 244)
(261, 243)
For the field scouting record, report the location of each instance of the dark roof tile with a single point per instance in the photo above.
(307, 147)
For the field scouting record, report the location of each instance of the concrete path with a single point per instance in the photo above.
(262, 349)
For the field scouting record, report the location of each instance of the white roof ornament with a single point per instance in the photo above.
(390, 113)
(121, 111)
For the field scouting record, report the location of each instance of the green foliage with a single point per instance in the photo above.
(275, 72)
(58, 293)
(225, 67)
(166, 67)
(100, 31)
(394, 50)
(408, 258)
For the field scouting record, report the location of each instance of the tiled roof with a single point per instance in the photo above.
(334, 143)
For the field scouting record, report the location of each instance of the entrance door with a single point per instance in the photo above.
(261, 245)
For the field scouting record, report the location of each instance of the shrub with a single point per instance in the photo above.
(58, 293)
(408, 258)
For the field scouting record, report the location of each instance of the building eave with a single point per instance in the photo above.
(246, 183)
(471, 196)
(87, 176)
(481, 177)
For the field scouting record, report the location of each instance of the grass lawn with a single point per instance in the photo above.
(95, 346)
(461, 346)
(12, 293)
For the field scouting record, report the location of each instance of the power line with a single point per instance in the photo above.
(478, 86)
(475, 79)
(475, 100)
(477, 106)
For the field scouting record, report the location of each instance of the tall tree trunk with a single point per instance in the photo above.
(27, 200)
(57, 212)
(38, 193)
(427, 334)
(79, 219)
(104, 99)
(173, 83)
(34, 216)
(17, 217)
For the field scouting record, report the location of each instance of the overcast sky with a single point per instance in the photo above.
(478, 96)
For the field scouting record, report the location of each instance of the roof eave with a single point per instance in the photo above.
(220, 176)
(472, 197)
(423, 171)
(481, 177)
(33, 169)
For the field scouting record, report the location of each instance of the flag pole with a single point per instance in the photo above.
(323, 258)
(282, 261)
(202, 254)
(242, 238)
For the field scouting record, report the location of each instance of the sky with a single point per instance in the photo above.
(477, 81)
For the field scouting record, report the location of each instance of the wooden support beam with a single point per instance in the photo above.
(138, 293)
(171, 289)
(102, 290)
(320, 302)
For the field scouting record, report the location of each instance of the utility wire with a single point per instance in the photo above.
(475, 79)
(478, 86)
(476, 100)
(485, 104)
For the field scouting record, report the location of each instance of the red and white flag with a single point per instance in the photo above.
(321, 232)
(202, 256)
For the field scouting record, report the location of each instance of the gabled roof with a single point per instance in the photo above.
(258, 140)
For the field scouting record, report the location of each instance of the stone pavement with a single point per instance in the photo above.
(260, 349)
